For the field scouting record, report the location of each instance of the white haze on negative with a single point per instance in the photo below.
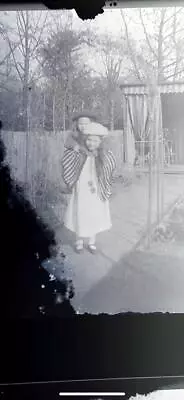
(161, 395)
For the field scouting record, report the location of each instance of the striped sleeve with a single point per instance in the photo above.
(105, 170)
(71, 165)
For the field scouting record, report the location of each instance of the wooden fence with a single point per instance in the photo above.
(45, 150)
(36, 164)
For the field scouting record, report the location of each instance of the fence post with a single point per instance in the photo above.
(151, 106)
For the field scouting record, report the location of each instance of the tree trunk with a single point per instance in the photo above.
(70, 101)
(160, 49)
(43, 119)
(64, 115)
(125, 110)
(26, 73)
(111, 114)
(64, 110)
(53, 112)
(26, 92)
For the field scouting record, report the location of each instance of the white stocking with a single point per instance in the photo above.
(92, 240)
(79, 242)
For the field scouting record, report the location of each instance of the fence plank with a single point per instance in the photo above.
(44, 176)
(45, 153)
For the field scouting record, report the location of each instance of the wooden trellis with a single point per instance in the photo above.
(145, 102)
(156, 162)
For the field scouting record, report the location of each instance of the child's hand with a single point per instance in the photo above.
(81, 151)
(77, 147)
(101, 152)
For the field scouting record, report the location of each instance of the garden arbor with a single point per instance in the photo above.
(146, 119)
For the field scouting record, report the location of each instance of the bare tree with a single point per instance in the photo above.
(112, 55)
(23, 46)
(159, 55)
(23, 42)
(131, 49)
(5, 58)
(62, 65)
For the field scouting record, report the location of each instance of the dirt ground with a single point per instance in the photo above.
(119, 279)
(145, 280)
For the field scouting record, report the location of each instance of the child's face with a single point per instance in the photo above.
(93, 142)
(82, 122)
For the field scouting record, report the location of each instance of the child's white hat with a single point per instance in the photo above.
(85, 114)
(95, 129)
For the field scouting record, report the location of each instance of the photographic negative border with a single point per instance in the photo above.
(101, 348)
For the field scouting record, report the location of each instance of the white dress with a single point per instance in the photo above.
(87, 214)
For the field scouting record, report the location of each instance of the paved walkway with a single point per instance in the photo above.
(142, 282)
(129, 216)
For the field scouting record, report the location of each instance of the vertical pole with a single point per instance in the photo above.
(122, 150)
(27, 137)
(53, 111)
(162, 174)
(162, 161)
(125, 109)
(43, 119)
(142, 152)
(112, 113)
(151, 108)
(26, 94)
(143, 135)
(150, 183)
(122, 141)
(157, 153)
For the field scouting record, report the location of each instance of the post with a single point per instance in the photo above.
(44, 106)
(27, 135)
(150, 182)
(124, 103)
(162, 173)
(152, 89)
(157, 154)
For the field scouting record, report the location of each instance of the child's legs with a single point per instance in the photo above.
(92, 240)
(79, 244)
(79, 241)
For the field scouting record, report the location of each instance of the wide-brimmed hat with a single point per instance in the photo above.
(85, 114)
(95, 129)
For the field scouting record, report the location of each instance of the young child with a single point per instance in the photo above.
(88, 171)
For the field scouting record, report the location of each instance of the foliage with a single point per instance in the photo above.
(47, 196)
(50, 68)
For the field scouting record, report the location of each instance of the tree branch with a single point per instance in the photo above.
(23, 19)
(147, 37)
(172, 16)
(39, 37)
(20, 27)
(14, 59)
(175, 74)
(8, 55)
(171, 33)
(160, 45)
(129, 47)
